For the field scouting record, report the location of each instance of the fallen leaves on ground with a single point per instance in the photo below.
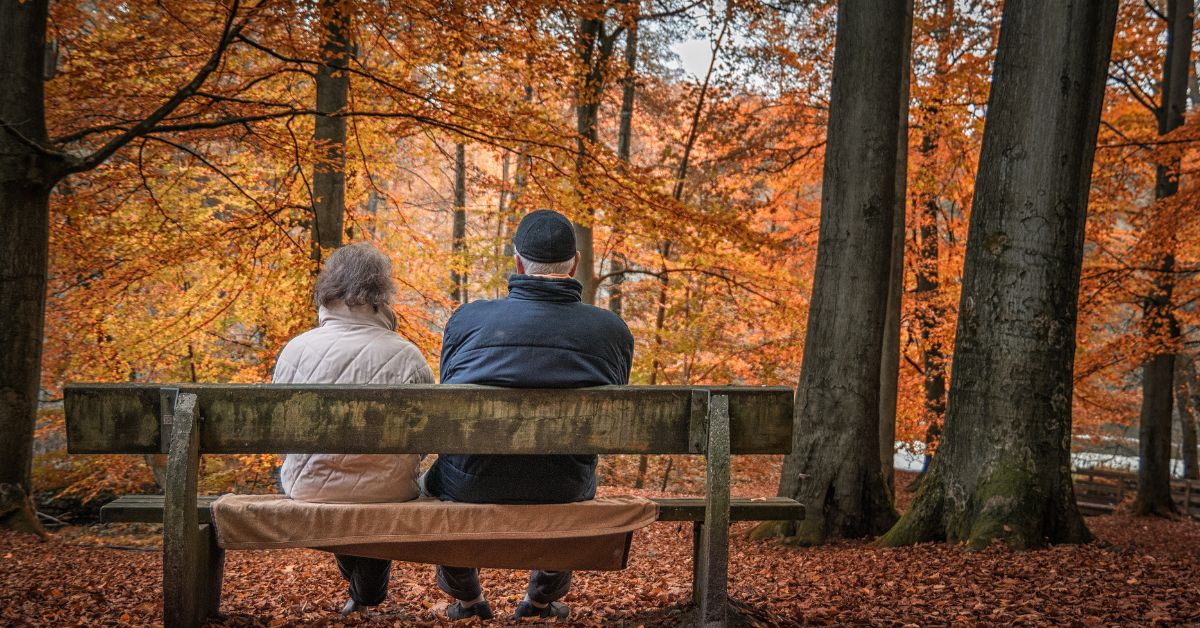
(1139, 571)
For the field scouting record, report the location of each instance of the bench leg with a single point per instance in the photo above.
(212, 571)
(697, 534)
(185, 550)
(712, 538)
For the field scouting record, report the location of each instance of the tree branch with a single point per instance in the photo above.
(1154, 10)
(144, 126)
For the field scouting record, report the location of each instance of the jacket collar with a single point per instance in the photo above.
(338, 313)
(536, 288)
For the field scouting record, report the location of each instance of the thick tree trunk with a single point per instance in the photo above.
(458, 238)
(333, 91)
(1161, 328)
(834, 465)
(1185, 394)
(26, 179)
(889, 366)
(1002, 470)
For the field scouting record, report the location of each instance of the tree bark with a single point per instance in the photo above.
(1186, 394)
(889, 367)
(616, 301)
(333, 92)
(594, 49)
(504, 218)
(929, 313)
(26, 179)
(517, 200)
(458, 272)
(1160, 325)
(624, 144)
(836, 444)
(1002, 470)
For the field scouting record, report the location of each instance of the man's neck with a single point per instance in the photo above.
(551, 275)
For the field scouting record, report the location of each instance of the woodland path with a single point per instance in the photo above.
(1140, 571)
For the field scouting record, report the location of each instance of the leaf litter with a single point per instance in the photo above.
(1138, 571)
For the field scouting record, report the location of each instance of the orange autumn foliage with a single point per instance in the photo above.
(186, 256)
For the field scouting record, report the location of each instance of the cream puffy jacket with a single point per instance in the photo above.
(351, 346)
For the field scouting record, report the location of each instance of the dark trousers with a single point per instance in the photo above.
(463, 583)
(368, 578)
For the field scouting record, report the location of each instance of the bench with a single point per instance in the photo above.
(1100, 491)
(187, 420)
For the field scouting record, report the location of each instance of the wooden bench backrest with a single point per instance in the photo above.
(129, 418)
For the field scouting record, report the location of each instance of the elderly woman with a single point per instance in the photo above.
(355, 342)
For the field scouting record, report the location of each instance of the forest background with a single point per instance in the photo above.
(188, 253)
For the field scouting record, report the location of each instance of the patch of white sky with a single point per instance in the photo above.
(693, 57)
(692, 47)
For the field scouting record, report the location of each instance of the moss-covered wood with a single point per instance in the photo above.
(1002, 470)
(124, 418)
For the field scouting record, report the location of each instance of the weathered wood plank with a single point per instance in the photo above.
(124, 418)
(149, 509)
(712, 569)
(740, 509)
(182, 585)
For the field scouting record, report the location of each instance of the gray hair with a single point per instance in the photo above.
(356, 274)
(542, 268)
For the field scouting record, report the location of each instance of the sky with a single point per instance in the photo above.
(694, 56)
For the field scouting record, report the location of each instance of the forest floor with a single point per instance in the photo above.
(1138, 571)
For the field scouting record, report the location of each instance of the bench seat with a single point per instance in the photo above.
(149, 509)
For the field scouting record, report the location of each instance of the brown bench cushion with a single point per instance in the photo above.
(591, 535)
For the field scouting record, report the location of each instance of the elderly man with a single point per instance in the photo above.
(541, 336)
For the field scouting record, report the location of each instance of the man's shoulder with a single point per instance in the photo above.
(475, 309)
(474, 316)
(604, 321)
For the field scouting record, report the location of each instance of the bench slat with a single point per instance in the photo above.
(149, 509)
(124, 418)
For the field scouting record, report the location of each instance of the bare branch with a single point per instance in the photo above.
(1154, 10)
(228, 32)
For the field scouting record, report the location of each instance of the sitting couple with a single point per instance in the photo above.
(541, 336)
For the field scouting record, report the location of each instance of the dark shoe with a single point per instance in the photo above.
(352, 607)
(555, 610)
(481, 610)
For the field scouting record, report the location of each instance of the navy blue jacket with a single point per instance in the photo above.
(541, 336)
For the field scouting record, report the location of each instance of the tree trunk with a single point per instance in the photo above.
(1186, 393)
(26, 179)
(593, 48)
(889, 367)
(517, 200)
(929, 311)
(1160, 326)
(458, 272)
(333, 90)
(616, 299)
(624, 144)
(1002, 470)
(503, 220)
(929, 314)
(836, 443)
